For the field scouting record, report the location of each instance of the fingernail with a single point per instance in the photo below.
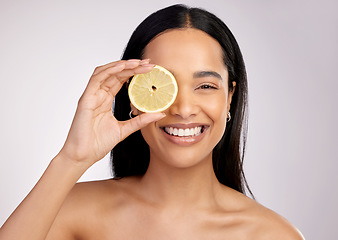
(119, 65)
(159, 116)
(148, 65)
(145, 61)
(163, 115)
(133, 60)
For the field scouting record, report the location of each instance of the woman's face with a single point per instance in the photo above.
(196, 121)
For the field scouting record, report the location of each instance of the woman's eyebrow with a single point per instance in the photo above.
(201, 74)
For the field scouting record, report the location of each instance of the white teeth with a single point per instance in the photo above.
(180, 132)
(187, 132)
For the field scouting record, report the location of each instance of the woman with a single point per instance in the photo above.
(166, 186)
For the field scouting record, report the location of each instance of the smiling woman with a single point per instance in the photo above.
(178, 174)
(223, 45)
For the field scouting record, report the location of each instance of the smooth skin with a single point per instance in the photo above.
(179, 197)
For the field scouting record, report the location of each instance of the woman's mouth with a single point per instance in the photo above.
(185, 135)
(186, 132)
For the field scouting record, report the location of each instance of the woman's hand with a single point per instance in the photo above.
(95, 130)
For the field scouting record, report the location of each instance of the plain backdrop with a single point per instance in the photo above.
(49, 49)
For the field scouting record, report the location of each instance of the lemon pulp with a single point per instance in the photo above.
(154, 91)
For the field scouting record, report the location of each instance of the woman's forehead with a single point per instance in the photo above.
(187, 49)
(183, 38)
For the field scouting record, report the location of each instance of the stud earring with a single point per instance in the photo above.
(229, 117)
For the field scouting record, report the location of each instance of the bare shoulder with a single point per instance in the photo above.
(85, 208)
(262, 223)
(274, 226)
(87, 197)
(88, 194)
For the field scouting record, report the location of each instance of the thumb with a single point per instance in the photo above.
(134, 124)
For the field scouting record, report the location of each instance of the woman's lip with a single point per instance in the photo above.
(184, 125)
(185, 141)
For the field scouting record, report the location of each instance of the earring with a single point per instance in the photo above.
(229, 117)
(130, 114)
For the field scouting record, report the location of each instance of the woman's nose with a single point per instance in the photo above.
(185, 105)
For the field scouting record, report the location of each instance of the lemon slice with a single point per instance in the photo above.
(154, 91)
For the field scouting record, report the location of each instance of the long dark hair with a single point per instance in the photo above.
(131, 156)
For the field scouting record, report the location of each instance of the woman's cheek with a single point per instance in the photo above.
(216, 107)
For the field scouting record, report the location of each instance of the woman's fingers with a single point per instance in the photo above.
(95, 130)
(116, 74)
(114, 83)
(134, 124)
(112, 64)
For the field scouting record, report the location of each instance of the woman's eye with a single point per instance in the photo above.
(207, 86)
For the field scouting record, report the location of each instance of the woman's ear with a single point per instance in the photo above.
(230, 94)
(134, 110)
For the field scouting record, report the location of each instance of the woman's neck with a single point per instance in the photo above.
(192, 186)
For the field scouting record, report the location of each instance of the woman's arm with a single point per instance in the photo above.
(36, 213)
(94, 132)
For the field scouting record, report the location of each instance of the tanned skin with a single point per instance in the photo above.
(179, 197)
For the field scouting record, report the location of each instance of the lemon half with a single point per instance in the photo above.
(154, 91)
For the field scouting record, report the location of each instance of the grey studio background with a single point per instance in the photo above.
(48, 51)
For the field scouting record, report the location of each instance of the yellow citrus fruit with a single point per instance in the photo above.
(154, 91)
